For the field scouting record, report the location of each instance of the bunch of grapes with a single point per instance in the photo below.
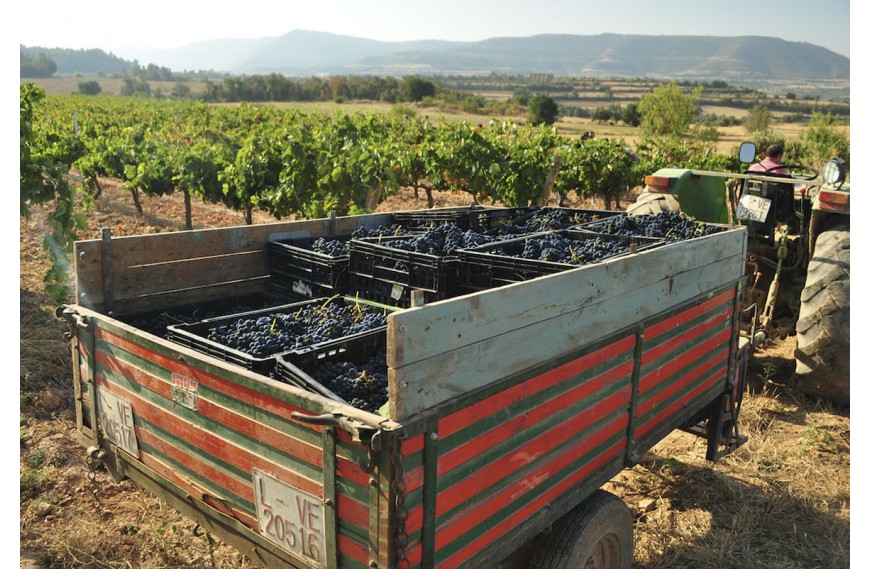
(442, 241)
(559, 248)
(339, 247)
(544, 220)
(309, 325)
(157, 323)
(362, 384)
(671, 226)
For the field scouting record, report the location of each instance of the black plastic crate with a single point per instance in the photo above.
(156, 321)
(500, 263)
(196, 335)
(299, 369)
(394, 294)
(640, 226)
(295, 265)
(536, 220)
(476, 218)
(374, 258)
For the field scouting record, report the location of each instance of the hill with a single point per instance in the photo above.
(739, 59)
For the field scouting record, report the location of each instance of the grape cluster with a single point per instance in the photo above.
(363, 384)
(339, 247)
(671, 226)
(559, 248)
(544, 220)
(441, 241)
(309, 325)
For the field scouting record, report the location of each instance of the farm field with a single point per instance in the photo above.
(781, 500)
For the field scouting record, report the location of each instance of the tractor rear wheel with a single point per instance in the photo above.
(651, 203)
(822, 354)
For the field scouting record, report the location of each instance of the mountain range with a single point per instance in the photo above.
(738, 59)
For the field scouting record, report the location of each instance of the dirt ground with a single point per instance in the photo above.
(780, 501)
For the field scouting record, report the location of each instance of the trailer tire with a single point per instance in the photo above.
(822, 353)
(651, 203)
(597, 533)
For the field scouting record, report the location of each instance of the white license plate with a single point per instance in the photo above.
(753, 208)
(290, 518)
(116, 419)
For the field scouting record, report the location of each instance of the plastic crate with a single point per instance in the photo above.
(376, 259)
(394, 294)
(476, 218)
(632, 226)
(195, 335)
(156, 321)
(500, 263)
(298, 370)
(297, 268)
(537, 220)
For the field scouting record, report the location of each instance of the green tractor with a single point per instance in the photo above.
(798, 255)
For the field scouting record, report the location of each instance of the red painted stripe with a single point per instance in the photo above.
(238, 456)
(471, 449)
(413, 479)
(653, 377)
(685, 338)
(353, 549)
(231, 419)
(641, 429)
(231, 388)
(720, 359)
(488, 475)
(683, 317)
(473, 518)
(466, 416)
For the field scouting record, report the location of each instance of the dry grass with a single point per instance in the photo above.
(781, 501)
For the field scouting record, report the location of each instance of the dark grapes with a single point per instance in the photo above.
(312, 324)
(362, 382)
(672, 226)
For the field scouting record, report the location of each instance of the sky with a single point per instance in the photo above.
(170, 24)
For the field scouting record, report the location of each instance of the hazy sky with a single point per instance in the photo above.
(112, 25)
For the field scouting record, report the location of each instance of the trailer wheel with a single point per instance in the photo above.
(651, 203)
(596, 534)
(822, 354)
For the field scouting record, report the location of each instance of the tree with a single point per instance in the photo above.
(543, 109)
(90, 88)
(415, 89)
(758, 119)
(667, 111)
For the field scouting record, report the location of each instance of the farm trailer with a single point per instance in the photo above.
(509, 408)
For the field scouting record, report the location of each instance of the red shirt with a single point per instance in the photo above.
(767, 165)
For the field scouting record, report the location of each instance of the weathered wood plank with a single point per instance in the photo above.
(185, 297)
(449, 348)
(420, 333)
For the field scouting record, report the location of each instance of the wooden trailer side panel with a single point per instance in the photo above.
(130, 274)
(221, 434)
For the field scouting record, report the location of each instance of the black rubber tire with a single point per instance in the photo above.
(651, 203)
(822, 353)
(597, 533)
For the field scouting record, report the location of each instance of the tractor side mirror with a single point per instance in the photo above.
(747, 153)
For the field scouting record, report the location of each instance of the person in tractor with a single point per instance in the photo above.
(772, 162)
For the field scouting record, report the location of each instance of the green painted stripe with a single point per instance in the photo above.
(678, 374)
(541, 398)
(449, 549)
(461, 474)
(289, 428)
(686, 328)
(677, 396)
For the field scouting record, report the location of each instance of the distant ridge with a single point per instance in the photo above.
(306, 53)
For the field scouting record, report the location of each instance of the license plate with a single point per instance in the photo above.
(116, 419)
(290, 518)
(753, 208)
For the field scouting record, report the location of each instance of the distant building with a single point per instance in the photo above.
(541, 77)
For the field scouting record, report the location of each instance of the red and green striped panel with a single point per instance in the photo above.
(239, 424)
(685, 359)
(512, 450)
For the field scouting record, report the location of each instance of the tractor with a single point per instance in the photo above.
(797, 264)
